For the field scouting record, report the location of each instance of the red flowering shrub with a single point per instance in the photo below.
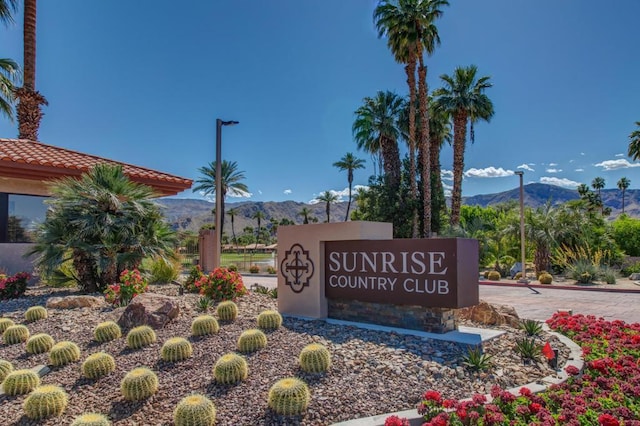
(396, 421)
(221, 284)
(13, 286)
(131, 284)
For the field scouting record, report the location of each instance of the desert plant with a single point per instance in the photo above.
(583, 271)
(63, 353)
(607, 275)
(107, 331)
(289, 397)
(269, 320)
(13, 286)
(233, 268)
(545, 278)
(273, 293)
(131, 284)
(221, 284)
(139, 383)
(476, 360)
(35, 313)
(204, 325)
(194, 275)
(204, 303)
(517, 276)
(141, 336)
(20, 382)
(625, 271)
(251, 340)
(91, 419)
(176, 349)
(493, 276)
(254, 269)
(271, 270)
(162, 270)
(45, 401)
(15, 334)
(194, 410)
(227, 310)
(5, 368)
(39, 343)
(528, 349)
(98, 365)
(315, 358)
(531, 327)
(5, 323)
(230, 368)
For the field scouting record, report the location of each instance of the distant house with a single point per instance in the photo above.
(27, 167)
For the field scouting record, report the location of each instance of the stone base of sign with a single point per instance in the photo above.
(432, 320)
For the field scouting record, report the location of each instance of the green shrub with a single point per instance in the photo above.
(195, 273)
(607, 275)
(5, 368)
(528, 349)
(269, 320)
(35, 313)
(315, 358)
(531, 327)
(493, 276)
(204, 303)
(140, 337)
(254, 269)
(485, 274)
(163, 270)
(221, 284)
(5, 323)
(98, 365)
(15, 334)
(194, 410)
(45, 401)
(233, 268)
(107, 331)
(289, 397)
(204, 325)
(64, 276)
(63, 353)
(13, 286)
(545, 278)
(230, 369)
(271, 270)
(20, 382)
(583, 271)
(227, 311)
(139, 383)
(176, 349)
(251, 341)
(476, 360)
(626, 271)
(39, 343)
(91, 419)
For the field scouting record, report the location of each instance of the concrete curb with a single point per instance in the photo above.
(561, 287)
(575, 359)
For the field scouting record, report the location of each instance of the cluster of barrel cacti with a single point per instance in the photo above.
(227, 311)
(39, 343)
(204, 325)
(107, 331)
(139, 383)
(251, 340)
(176, 349)
(194, 410)
(269, 320)
(45, 401)
(98, 365)
(35, 313)
(63, 353)
(230, 369)
(141, 336)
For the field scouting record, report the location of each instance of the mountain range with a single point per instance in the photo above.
(190, 214)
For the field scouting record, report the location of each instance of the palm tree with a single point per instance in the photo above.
(231, 182)
(376, 130)
(463, 97)
(583, 190)
(29, 99)
(597, 184)
(349, 162)
(232, 214)
(104, 223)
(329, 198)
(259, 215)
(634, 143)
(7, 9)
(9, 73)
(623, 185)
(305, 213)
(439, 133)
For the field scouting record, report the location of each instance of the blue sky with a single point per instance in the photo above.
(144, 81)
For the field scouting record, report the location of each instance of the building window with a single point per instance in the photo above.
(20, 216)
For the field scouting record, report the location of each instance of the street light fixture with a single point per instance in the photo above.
(523, 278)
(219, 218)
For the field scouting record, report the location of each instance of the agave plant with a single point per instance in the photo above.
(476, 360)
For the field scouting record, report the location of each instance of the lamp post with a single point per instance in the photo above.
(219, 196)
(523, 278)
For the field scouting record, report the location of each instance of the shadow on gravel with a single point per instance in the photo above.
(216, 390)
(120, 410)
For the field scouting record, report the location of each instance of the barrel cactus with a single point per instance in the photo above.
(35, 313)
(251, 340)
(15, 334)
(315, 358)
(5, 368)
(230, 368)
(19, 382)
(194, 410)
(63, 353)
(269, 320)
(545, 278)
(91, 419)
(40, 343)
(493, 276)
(5, 323)
(98, 365)
(227, 311)
(204, 325)
(289, 397)
(140, 337)
(176, 349)
(138, 384)
(45, 401)
(107, 331)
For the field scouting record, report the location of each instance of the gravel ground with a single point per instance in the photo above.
(372, 372)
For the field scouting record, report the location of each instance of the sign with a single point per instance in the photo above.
(437, 272)
(297, 268)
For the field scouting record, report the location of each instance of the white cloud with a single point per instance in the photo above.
(447, 189)
(234, 194)
(619, 155)
(488, 172)
(532, 164)
(287, 191)
(582, 153)
(571, 161)
(553, 164)
(564, 182)
(553, 170)
(579, 170)
(616, 164)
(343, 195)
(525, 167)
(446, 174)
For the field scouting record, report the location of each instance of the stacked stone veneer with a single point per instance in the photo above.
(432, 320)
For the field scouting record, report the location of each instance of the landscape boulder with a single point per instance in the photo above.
(488, 314)
(154, 310)
(75, 302)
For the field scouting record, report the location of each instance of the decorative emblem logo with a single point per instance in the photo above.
(297, 268)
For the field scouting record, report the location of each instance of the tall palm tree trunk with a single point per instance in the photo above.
(233, 231)
(459, 138)
(350, 178)
(424, 147)
(391, 161)
(437, 191)
(542, 258)
(29, 100)
(623, 190)
(328, 212)
(410, 69)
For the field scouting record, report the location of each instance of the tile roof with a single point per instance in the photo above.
(34, 160)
